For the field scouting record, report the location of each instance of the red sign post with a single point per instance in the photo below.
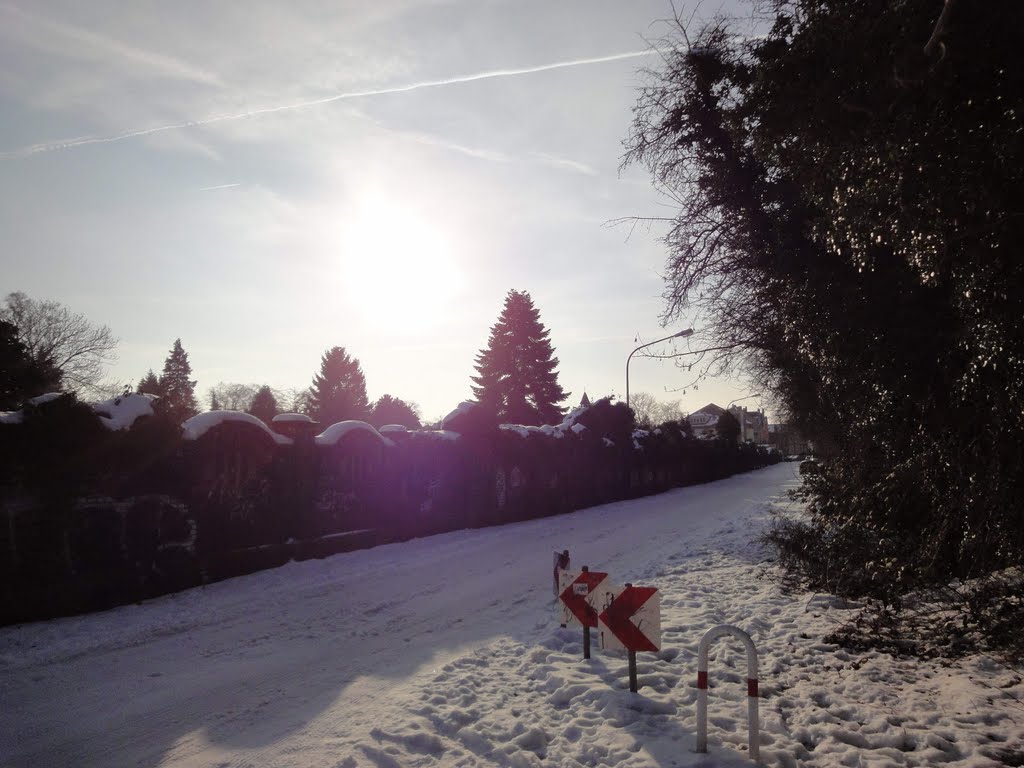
(575, 587)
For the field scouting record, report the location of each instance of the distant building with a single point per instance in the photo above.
(753, 424)
(705, 421)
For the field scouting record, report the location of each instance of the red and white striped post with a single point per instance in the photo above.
(753, 724)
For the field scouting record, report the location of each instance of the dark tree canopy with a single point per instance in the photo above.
(850, 230)
(339, 389)
(149, 384)
(516, 374)
(728, 427)
(178, 391)
(21, 375)
(264, 405)
(393, 410)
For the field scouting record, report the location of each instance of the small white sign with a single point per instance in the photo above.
(580, 589)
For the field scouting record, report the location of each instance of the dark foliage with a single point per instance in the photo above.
(393, 410)
(339, 389)
(177, 391)
(264, 405)
(21, 375)
(150, 385)
(728, 427)
(851, 226)
(516, 374)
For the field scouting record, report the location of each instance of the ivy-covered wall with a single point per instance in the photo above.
(93, 517)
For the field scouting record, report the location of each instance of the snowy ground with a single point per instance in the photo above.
(447, 651)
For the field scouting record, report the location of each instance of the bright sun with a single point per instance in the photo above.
(399, 268)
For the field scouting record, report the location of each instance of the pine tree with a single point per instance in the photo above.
(516, 377)
(214, 402)
(149, 384)
(393, 410)
(264, 405)
(178, 399)
(339, 390)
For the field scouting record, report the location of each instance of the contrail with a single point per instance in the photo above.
(494, 73)
(220, 186)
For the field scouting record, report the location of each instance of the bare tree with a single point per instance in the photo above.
(67, 340)
(230, 396)
(669, 412)
(645, 409)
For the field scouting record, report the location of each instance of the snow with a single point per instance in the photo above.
(446, 651)
(282, 417)
(464, 407)
(49, 397)
(202, 423)
(117, 413)
(393, 429)
(568, 424)
(440, 434)
(336, 432)
(121, 412)
(525, 431)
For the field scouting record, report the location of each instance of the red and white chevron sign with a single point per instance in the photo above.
(574, 587)
(632, 621)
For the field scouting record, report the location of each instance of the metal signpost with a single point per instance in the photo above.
(629, 618)
(631, 621)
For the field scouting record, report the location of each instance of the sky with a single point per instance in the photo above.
(268, 180)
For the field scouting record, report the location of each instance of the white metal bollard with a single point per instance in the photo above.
(753, 724)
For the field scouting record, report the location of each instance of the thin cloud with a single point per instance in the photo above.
(488, 75)
(57, 38)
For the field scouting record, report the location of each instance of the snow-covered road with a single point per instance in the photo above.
(438, 651)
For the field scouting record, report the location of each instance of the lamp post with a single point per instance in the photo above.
(680, 335)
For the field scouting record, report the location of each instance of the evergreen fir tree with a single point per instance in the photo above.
(339, 390)
(264, 405)
(149, 384)
(178, 399)
(214, 402)
(516, 377)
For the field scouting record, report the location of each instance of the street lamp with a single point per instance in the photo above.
(680, 335)
(743, 426)
(740, 399)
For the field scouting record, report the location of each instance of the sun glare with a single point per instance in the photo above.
(398, 267)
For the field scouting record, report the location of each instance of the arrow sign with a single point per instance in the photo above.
(574, 588)
(632, 622)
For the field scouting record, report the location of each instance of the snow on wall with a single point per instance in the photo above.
(336, 432)
(283, 417)
(198, 426)
(464, 407)
(120, 413)
(49, 397)
(440, 434)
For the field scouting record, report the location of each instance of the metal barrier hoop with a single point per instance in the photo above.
(702, 687)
